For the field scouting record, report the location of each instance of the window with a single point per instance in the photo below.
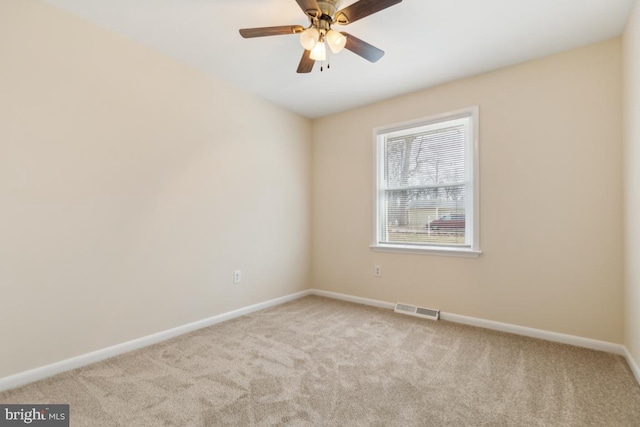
(426, 185)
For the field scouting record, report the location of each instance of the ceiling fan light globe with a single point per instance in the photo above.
(309, 38)
(319, 52)
(336, 41)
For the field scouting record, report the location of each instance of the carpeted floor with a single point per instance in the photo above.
(316, 361)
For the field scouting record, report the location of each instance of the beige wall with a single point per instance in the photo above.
(632, 182)
(131, 187)
(550, 136)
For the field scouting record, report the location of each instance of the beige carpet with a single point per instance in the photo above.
(317, 361)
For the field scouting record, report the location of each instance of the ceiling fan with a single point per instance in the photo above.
(322, 15)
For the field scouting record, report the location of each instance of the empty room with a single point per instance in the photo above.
(320, 212)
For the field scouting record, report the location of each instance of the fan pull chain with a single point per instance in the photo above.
(328, 63)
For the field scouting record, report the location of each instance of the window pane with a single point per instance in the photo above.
(434, 216)
(426, 158)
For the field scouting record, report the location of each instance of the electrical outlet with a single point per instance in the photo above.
(237, 276)
(377, 271)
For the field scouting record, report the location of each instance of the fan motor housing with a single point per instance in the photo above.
(328, 7)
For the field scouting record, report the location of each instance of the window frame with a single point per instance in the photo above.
(472, 149)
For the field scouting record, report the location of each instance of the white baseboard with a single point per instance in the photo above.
(536, 333)
(498, 326)
(632, 364)
(43, 372)
(351, 298)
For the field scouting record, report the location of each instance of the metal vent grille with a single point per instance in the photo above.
(427, 312)
(404, 307)
(413, 310)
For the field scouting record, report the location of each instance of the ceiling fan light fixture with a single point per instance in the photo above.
(319, 52)
(309, 38)
(336, 41)
(321, 15)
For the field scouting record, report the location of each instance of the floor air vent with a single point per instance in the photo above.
(412, 310)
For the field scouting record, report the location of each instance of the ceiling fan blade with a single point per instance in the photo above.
(360, 9)
(271, 31)
(306, 63)
(362, 48)
(310, 7)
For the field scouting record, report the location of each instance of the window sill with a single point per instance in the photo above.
(443, 251)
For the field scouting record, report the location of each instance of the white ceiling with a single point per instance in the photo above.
(427, 42)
